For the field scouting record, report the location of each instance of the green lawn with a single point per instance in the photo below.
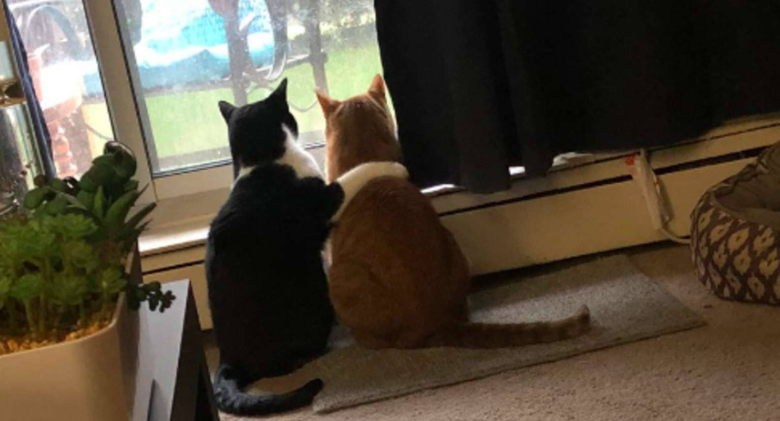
(190, 122)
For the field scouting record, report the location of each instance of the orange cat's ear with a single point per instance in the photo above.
(328, 104)
(377, 88)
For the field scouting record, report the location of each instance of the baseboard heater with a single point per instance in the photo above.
(596, 207)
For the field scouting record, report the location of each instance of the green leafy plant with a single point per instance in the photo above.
(62, 265)
(105, 194)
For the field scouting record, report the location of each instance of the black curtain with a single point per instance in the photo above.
(37, 121)
(481, 85)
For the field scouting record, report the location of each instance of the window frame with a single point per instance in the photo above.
(123, 108)
(129, 117)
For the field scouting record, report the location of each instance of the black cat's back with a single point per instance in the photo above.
(267, 284)
(266, 281)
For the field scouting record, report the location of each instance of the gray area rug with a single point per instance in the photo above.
(625, 306)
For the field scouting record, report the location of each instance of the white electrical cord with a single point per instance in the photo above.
(650, 187)
(674, 237)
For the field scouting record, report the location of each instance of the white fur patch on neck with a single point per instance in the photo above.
(297, 157)
(294, 156)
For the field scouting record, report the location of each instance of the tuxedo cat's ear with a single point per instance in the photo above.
(328, 104)
(377, 88)
(280, 93)
(226, 109)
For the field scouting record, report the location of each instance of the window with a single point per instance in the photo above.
(66, 77)
(186, 55)
(164, 65)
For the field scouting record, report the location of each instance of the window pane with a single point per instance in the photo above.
(188, 56)
(66, 79)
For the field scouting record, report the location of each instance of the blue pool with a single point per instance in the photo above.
(182, 42)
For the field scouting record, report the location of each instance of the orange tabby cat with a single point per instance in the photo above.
(398, 278)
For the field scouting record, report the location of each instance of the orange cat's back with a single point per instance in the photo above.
(398, 279)
(389, 245)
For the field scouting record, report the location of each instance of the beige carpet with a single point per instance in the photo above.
(625, 306)
(726, 370)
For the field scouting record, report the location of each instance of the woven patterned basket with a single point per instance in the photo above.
(738, 258)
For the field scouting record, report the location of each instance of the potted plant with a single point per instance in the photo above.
(64, 292)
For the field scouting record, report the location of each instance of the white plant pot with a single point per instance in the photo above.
(88, 379)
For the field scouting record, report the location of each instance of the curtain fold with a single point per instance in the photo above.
(482, 85)
(34, 108)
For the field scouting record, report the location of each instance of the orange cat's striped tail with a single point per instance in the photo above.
(487, 335)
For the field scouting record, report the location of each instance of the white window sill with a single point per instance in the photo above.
(182, 222)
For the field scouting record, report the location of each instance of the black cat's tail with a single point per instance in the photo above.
(230, 397)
